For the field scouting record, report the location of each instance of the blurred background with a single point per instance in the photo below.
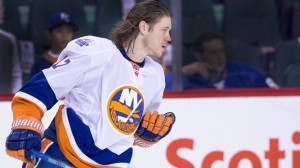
(231, 128)
(263, 34)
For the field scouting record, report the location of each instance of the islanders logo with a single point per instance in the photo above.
(125, 108)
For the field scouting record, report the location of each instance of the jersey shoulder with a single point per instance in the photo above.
(153, 67)
(91, 43)
(88, 46)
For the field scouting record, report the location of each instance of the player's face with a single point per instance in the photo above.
(156, 41)
(214, 54)
(61, 36)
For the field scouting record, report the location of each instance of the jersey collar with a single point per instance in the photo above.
(141, 64)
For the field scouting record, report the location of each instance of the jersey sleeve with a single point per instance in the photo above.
(68, 72)
(80, 57)
(64, 76)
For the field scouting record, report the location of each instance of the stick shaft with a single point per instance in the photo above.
(48, 158)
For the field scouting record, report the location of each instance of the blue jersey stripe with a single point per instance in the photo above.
(39, 88)
(85, 142)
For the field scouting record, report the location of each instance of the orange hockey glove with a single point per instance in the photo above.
(153, 128)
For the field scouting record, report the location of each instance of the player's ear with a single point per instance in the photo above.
(143, 26)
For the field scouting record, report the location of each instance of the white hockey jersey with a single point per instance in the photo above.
(105, 96)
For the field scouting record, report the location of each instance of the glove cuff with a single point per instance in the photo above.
(28, 122)
(139, 141)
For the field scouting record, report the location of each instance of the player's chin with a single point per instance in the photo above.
(63, 45)
(161, 52)
(156, 54)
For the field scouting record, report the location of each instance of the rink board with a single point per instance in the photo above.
(241, 131)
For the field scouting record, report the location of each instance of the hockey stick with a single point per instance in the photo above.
(47, 158)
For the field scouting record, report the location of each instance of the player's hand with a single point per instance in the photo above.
(153, 128)
(26, 134)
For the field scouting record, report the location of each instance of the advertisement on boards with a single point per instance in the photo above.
(213, 132)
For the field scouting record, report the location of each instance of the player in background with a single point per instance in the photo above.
(112, 91)
(212, 70)
(60, 31)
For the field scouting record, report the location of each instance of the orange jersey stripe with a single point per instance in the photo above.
(66, 147)
(45, 144)
(21, 106)
(29, 165)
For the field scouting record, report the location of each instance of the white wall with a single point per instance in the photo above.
(5, 120)
(236, 132)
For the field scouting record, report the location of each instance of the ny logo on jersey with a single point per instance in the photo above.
(125, 108)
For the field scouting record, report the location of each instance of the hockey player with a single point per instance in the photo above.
(112, 90)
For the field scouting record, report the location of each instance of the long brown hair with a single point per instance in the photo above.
(126, 31)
